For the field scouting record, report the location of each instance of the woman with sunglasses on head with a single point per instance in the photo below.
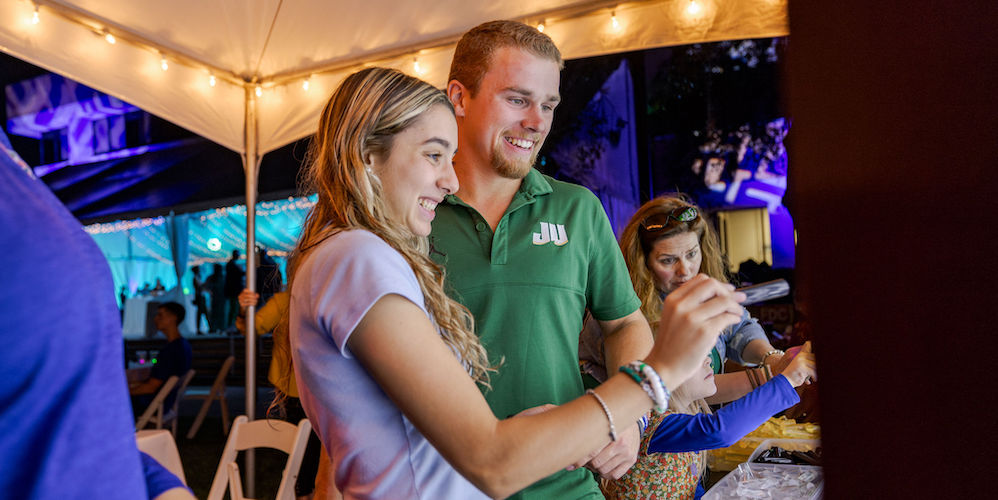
(668, 241)
(387, 365)
(665, 244)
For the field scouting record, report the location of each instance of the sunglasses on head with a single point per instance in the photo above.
(659, 222)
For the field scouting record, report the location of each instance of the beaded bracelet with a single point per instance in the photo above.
(606, 410)
(633, 373)
(639, 378)
(648, 379)
(643, 424)
(661, 395)
(770, 353)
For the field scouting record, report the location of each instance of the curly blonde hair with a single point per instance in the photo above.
(636, 244)
(361, 118)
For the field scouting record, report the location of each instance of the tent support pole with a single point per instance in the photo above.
(251, 167)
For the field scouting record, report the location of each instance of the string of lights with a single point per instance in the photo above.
(617, 13)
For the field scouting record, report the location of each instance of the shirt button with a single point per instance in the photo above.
(480, 226)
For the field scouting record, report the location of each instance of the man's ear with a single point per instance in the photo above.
(457, 93)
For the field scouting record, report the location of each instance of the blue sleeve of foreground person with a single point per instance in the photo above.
(680, 432)
(158, 478)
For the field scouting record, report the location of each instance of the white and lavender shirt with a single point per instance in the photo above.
(376, 451)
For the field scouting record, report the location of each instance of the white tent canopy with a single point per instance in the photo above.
(240, 45)
(234, 71)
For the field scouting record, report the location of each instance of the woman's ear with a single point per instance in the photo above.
(369, 159)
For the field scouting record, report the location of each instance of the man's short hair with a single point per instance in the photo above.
(176, 309)
(473, 54)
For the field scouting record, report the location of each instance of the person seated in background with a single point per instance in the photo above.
(272, 317)
(144, 291)
(174, 357)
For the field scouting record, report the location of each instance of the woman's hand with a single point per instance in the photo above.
(801, 368)
(248, 298)
(692, 317)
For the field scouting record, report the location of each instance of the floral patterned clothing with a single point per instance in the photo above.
(657, 475)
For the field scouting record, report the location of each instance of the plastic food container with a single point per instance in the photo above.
(772, 481)
(726, 459)
(786, 444)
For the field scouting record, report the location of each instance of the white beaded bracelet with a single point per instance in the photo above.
(606, 410)
(661, 398)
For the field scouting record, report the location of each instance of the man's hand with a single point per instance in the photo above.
(616, 458)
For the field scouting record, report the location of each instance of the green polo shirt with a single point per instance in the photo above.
(553, 255)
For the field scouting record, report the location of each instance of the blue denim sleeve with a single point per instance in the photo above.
(738, 336)
(680, 432)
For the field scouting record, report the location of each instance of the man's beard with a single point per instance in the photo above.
(512, 169)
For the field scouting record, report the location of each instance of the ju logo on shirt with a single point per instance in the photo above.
(551, 233)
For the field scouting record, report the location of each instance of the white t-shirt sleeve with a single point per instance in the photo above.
(347, 274)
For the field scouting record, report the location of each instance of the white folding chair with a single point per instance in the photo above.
(159, 444)
(156, 406)
(217, 391)
(276, 434)
(161, 417)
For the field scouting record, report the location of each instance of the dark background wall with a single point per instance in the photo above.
(895, 146)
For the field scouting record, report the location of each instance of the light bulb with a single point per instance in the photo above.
(259, 91)
(613, 21)
(211, 80)
(110, 38)
(34, 16)
(694, 8)
(304, 84)
(540, 27)
(416, 67)
(163, 64)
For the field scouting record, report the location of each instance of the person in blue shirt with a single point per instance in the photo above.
(67, 430)
(672, 459)
(174, 358)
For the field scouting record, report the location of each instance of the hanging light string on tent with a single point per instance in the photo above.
(413, 52)
(114, 33)
(263, 209)
(123, 225)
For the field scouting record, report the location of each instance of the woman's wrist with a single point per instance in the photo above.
(648, 378)
(775, 354)
(667, 374)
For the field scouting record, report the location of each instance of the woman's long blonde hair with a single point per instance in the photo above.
(637, 244)
(361, 118)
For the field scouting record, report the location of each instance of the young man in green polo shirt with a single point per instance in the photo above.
(527, 254)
